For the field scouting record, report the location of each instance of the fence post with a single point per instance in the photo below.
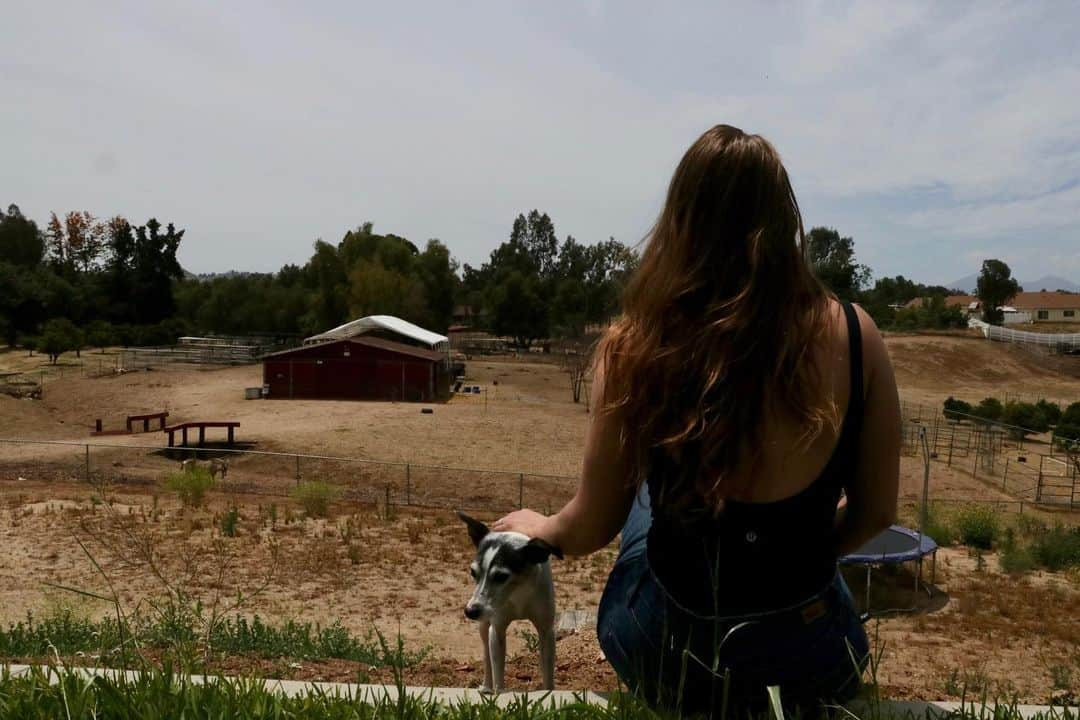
(408, 484)
(952, 436)
(1005, 475)
(1039, 482)
(87, 463)
(521, 490)
(387, 501)
(297, 469)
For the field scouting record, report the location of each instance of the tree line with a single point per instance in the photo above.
(83, 281)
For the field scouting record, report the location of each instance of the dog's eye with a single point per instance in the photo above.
(499, 577)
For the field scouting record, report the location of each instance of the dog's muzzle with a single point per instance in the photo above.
(473, 612)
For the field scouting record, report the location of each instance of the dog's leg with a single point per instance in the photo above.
(497, 648)
(546, 635)
(484, 633)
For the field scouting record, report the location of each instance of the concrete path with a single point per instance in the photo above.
(895, 709)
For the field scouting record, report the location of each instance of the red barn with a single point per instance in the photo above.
(357, 368)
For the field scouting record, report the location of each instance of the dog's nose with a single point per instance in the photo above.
(472, 612)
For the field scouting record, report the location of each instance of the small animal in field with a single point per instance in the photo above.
(216, 467)
(513, 582)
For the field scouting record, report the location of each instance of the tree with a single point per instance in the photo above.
(437, 273)
(377, 290)
(518, 310)
(21, 243)
(995, 287)
(99, 334)
(989, 409)
(535, 234)
(833, 259)
(58, 336)
(1026, 416)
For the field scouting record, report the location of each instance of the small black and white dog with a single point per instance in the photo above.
(513, 582)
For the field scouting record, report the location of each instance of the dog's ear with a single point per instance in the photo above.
(477, 529)
(538, 551)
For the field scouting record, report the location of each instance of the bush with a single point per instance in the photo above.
(978, 527)
(191, 486)
(943, 533)
(315, 497)
(989, 409)
(1057, 548)
(1051, 411)
(956, 408)
(1071, 416)
(229, 521)
(1015, 558)
(1026, 416)
(1067, 435)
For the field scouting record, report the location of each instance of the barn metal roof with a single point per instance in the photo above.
(380, 322)
(375, 342)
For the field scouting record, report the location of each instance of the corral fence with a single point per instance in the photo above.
(32, 383)
(1011, 459)
(1052, 342)
(275, 474)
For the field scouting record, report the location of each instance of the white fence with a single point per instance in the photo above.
(1060, 342)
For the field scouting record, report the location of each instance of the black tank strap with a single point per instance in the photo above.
(854, 414)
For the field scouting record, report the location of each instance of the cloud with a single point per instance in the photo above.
(261, 127)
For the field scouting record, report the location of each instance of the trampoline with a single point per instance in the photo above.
(898, 545)
(895, 546)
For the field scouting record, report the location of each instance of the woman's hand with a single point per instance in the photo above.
(526, 522)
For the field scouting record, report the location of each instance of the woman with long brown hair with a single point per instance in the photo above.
(746, 435)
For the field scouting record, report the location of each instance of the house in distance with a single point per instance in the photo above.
(379, 357)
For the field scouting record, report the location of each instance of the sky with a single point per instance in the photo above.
(934, 134)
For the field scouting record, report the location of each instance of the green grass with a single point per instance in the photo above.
(71, 634)
(190, 486)
(315, 497)
(978, 526)
(48, 693)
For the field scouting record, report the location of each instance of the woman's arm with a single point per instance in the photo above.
(871, 499)
(599, 508)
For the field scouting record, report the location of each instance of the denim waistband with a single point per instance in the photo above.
(777, 613)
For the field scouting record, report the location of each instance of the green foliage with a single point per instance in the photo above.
(1058, 548)
(1025, 415)
(1071, 416)
(995, 287)
(989, 409)
(1051, 411)
(932, 314)
(315, 497)
(1015, 557)
(519, 309)
(191, 486)
(21, 243)
(833, 259)
(978, 526)
(58, 336)
(229, 522)
(939, 528)
(957, 408)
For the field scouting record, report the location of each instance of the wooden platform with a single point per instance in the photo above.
(201, 426)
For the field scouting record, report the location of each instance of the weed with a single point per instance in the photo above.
(315, 497)
(937, 527)
(1057, 548)
(531, 640)
(1061, 677)
(353, 552)
(1015, 558)
(978, 526)
(191, 486)
(273, 514)
(228, 522)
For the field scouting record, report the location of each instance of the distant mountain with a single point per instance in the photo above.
(1047, 282)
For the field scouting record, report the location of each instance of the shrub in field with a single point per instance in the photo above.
(229, 521)
(989, 409)
(957, 408)
(1025, 415)
(978, 527)
(1057, 548)
(1051, 411)
(937, 527)
(191, 486)
(1015, 557)
(315, 497)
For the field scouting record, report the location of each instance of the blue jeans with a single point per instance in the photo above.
(677, 660)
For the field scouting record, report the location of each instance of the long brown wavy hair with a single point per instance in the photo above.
(717, 325)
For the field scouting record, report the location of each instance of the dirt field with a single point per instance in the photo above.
(408, 570)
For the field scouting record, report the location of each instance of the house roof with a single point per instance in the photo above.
(374, 342)
(379, 322)
(963, 301)
(1046, 301)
